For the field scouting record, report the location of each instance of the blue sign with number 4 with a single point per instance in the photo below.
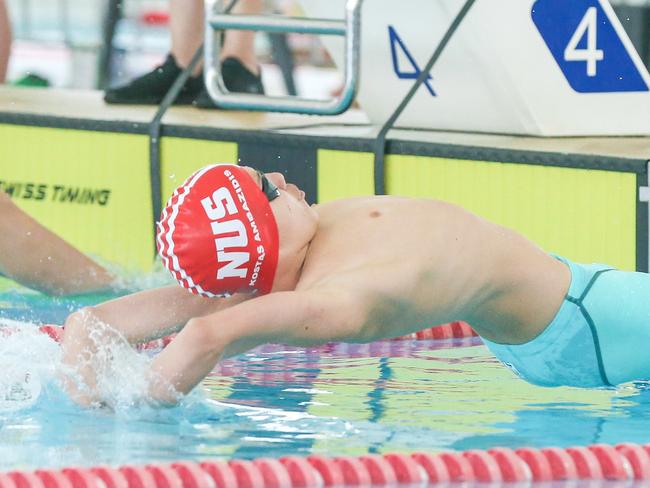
(586, 46)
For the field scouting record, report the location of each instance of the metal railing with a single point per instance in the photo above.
(349, 28)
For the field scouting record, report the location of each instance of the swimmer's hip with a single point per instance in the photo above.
(599, 337)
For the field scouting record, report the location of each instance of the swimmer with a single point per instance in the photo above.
(33, 256)
(264, 266)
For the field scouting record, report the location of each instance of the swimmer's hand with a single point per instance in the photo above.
(131, 319)
(87, 348)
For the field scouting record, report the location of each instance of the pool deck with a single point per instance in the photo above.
(51, 106)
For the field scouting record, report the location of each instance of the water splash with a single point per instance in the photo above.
(55, 432)
(107, 368)
(131, 280)
(28, 359)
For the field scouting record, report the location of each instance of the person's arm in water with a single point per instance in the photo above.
(136, 318)
(36, 257)
(297, 318)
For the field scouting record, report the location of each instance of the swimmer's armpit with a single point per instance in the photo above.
(300, 318)
(297, 318)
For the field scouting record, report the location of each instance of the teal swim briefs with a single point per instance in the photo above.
(599, 337)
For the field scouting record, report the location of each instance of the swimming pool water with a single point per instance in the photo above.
(336, 400)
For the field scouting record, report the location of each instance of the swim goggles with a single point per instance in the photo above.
(269, 189)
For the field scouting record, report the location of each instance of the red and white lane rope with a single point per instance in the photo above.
(597, 462)
(453, 330)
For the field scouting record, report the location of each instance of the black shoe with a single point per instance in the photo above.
(237, 78)
(150, 89)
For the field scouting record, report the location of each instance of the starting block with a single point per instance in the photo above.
(530, 67)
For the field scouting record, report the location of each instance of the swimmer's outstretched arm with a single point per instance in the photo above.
(136, 318)
(298, 318)
(36, 257)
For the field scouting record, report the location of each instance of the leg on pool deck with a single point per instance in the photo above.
(186, 21)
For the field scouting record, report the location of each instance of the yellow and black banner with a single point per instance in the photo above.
(92, 184)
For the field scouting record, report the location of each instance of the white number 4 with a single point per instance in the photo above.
(589, 26)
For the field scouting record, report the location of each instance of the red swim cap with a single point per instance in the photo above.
(217, 235)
